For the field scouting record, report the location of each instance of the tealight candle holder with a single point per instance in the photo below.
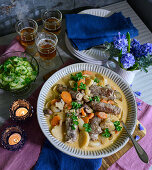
(20, 110)
(13, 138)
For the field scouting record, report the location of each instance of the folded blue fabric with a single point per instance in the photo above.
(86, 31)
(52, 159)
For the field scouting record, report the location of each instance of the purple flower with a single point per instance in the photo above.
(138, 93)
(121, 43)
(135, 48)
(140, 109)
(140, 127)
(146, 49)
(127, 60)
(138, 103)
(140, 50)
(137, 137)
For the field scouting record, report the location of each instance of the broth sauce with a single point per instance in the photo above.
(105, 142)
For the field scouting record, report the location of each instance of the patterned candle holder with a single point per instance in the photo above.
(21, 110)
(13, 138)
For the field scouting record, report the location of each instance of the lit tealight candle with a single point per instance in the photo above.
(21, 111)
(14, 139)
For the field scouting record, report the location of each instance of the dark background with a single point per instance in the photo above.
(34, 8)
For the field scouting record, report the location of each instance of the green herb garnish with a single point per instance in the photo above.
(76, 105)
(24, 59)
(74, 117)
(82, 86)
(75, 87)
(34, 73)
(96, 80)
(97, 98)
(116, 123)
(16, 81)
(91, 99)
(73, 127)
(106, 133)
(117, 126)
(77, 76)
(87, 127)
(74, 121)
(27, 80)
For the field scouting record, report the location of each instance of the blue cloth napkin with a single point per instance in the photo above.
(52, 159)
(86, 31)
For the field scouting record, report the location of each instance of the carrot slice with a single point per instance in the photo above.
(102, 115)
(111, 102)
(91, 115)
(66, 96)
(54, 101)
(81, 81)
(87, 78)
(68, 106)
(55, 121)
(104, 101)
(85, 119)
(83, 112)
(87, 72)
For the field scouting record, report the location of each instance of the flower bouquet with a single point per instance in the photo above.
(130, 54)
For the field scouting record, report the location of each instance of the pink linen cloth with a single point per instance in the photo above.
(3, 49)
(26, 158)
(14, 46)
(28, 155)
(130, 160)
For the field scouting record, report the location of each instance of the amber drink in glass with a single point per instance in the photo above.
(52, 21)
(46, 46)
(27, 29)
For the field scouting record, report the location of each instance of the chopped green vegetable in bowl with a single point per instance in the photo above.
(17, 72)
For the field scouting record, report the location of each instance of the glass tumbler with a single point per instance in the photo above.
(52, 21)
(46, 46)
(27, 29)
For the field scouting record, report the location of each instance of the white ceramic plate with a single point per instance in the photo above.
(93, 55)
(79, 56)
(131, 117)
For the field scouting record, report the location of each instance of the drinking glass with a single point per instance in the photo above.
(46, 46)
(27, 29)
(52, 21)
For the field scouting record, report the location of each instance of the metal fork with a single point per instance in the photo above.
(140, 151)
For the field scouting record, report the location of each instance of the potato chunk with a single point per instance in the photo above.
(80, 125)
(84, 139)
(57, 132)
